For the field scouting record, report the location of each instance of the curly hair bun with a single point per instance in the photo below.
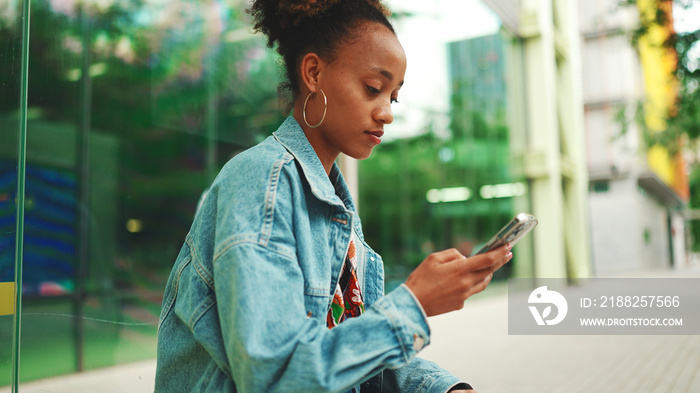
(300, 26)
(298, 10)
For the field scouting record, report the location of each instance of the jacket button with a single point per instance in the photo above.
(418, 342)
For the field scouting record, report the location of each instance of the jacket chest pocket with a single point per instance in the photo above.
(316, 301)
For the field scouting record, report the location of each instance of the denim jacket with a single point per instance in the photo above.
(245, 306)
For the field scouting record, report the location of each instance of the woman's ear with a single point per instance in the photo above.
(310, 68)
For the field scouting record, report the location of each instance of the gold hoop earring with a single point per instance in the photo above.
(325, 106)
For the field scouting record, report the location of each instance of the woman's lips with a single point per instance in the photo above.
(375, 136)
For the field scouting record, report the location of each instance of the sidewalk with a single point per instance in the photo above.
(474, 344)
(129, 378)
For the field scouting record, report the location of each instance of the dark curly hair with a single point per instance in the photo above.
(319, 26)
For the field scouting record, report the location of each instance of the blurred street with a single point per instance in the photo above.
(131, 378)
(474, 344)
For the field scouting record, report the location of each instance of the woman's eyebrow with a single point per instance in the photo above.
(387, 74)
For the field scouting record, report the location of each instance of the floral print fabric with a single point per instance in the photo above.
(347, 299)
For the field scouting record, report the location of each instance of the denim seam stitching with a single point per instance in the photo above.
(175, 285)
(201, 272)
(316, 292)
(271, 197)
(234, 241)
(396, 331)
(281, 251)
(253, 243)
(424, 382)
(200, 311)
(420, 307)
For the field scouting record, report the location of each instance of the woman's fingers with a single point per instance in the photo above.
(446, 279)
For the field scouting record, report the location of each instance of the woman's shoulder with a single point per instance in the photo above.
(257, 165)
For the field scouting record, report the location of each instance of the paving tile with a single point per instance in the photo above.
(474, 344)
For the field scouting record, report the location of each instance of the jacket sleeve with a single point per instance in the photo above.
(272, 345)
(421, 376)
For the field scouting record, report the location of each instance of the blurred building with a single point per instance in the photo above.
(635, 194)
(546, 132)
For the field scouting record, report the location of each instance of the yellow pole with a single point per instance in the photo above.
(7, 298)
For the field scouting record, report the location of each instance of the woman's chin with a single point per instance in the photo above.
(363, 155)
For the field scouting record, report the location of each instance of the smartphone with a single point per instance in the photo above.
(518, 227)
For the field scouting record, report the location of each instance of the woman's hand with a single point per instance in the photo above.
(445, 279)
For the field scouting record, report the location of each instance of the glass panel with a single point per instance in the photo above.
(445, 165)
(10, 69)
(134, 108)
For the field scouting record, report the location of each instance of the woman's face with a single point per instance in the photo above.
(361, 84)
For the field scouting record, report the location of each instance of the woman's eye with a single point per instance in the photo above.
(375, 91)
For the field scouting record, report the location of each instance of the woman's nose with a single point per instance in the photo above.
(384, 115)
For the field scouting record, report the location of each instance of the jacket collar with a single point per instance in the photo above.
(330, 188)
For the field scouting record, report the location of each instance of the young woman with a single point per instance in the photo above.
(274, 289)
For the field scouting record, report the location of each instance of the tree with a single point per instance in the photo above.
(682, 132)
(683, 119)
